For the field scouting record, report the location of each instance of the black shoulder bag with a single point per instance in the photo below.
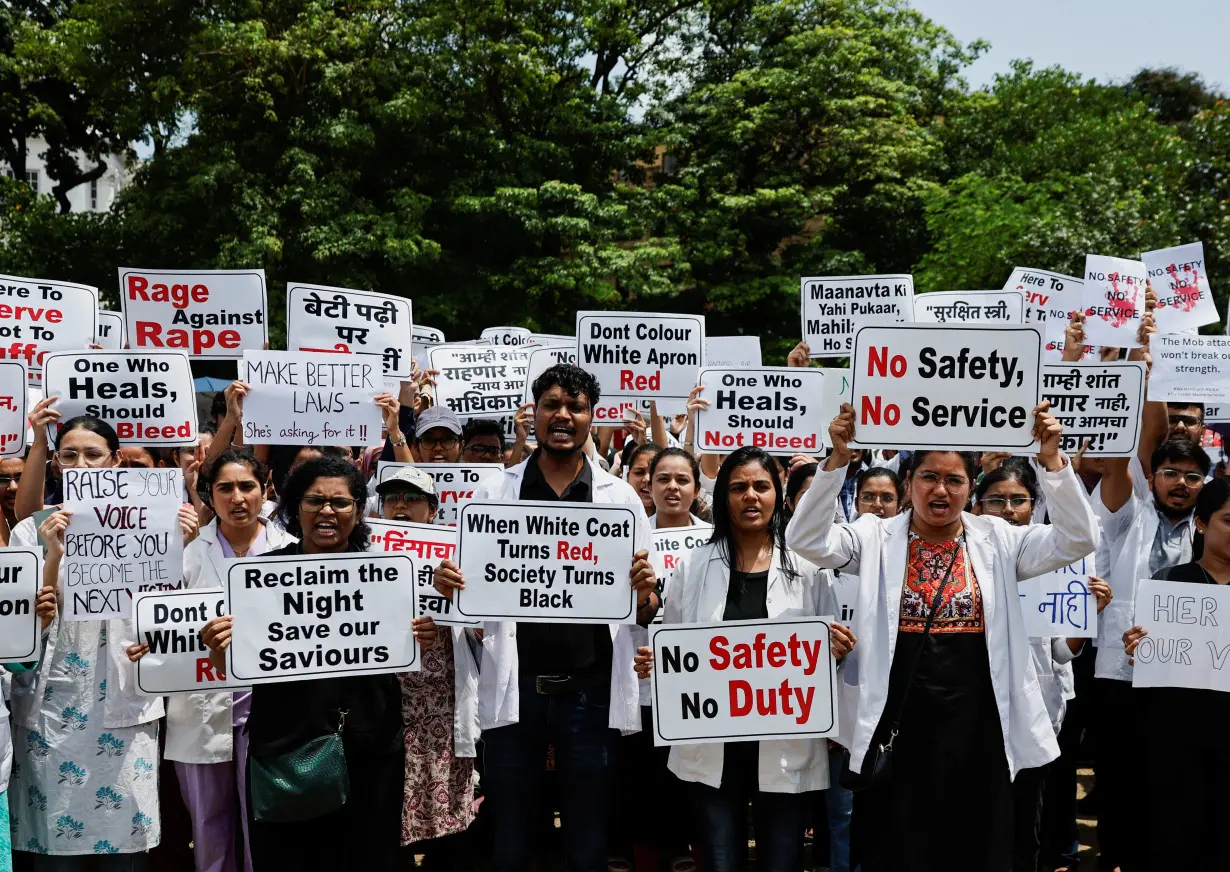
(878, 764)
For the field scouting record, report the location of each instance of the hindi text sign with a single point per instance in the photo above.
(1060, 603)
(429, 544)
(970, 307)
(478, 381)
(14, 396)
(1098, 403)
(344, 321)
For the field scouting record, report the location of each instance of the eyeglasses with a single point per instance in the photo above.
(1185, 420)
(6, 480)
(951, 482)
(870, 499)
(485, 450)
(315, 503)
(404, 497)
(93, 456)
(1191, 479)
(998, 504)
(433, 442)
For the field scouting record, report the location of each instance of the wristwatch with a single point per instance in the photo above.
(399, 443)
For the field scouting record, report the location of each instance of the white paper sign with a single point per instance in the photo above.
(970, 307)
(743, 680)
(208, 313)
(477, 381)
(1097, 403)
(13, 408)
(836, 391)
(641, 355)
(428, 544)
(344, 321)
(1190, 368)
(170, 623)
(1053, 353)
(1181, 280)
(669, 545)
(111, 334)
(1060, 603)
(302, 398)
(834, 307)
(551, 339)
(1113, 300)
(21, 576)
(321, 615)
(455, 483)
(422, 339)
(147, 396)
(1050, 298)
(1189, 635)
(124, 539)
(732, 352)
(509, 337)
(39, 316)
(777, 408)
(962, 388)
(566, 563)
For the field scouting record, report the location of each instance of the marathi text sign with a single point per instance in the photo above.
(1190, 368)
(547, 562)
(124, 538)
(1113, 300)
(743, 680)
(478, 381)
(147, 396)
(1189, 642)
(952, 387)
(21, 576)
(1060, 603)
(669, 546)
(834, 307)
(641, 355)
(208, 313)
(777, 408)
(970, 307)
(111, 330)
(1097, 403)
(1181, 281)
(429, 544)
(13, 404)
(170, 623)
(1050, 298)
(39, 316)
(455, 483)
(310, 399)
(343, 321)
(321, 615)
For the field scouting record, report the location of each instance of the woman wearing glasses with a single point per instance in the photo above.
(941, 681)
(322, 505)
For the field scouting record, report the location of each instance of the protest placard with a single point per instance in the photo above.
(321, 615)
(147, 396)
(540, 358)
(971, 388)
(111, 334)
(208, 313)
(543, 562)
(743, 680)
(1190, 368)
(641, 355)
(124, 538)
(21, 576)
(14, 394)
(1053, 352)
(477, 381)
(308, 398)
(39, 316)
(1060, 603)
(834, 307)
(1188, 644)
(170, 622)
(455, 483)
(1097, 403)
(1113, 300)
(777, 408)
(429, 544)
(506, 337)
(836, 392)
(1216, 414)
(551, 339)
(421, 339)
(970, 307)
(732, 352)
(1050, 298)
(1181, 282)
(669, 545)
(345, 321)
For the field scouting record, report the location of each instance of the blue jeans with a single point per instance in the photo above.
(514, 759)
(839, 802)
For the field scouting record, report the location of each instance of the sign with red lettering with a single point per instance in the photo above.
(669, 545)
(736, 681)
(455, 483)
(21, 577)
(13, 396)
(147, 396)
(641, 355)
(543, 357)
(342, 321)
(429, 544)
(565, 563)
(207, 313)
(111, 335)
(1181, 280)
(39, 316)
(968, 388)
(1049, 298)
(170, 622)
(777, 408)
(1113, 300)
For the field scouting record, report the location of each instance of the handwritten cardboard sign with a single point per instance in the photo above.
(305, 398)
(1187, 645)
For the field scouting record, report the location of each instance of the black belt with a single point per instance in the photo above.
(555, 685)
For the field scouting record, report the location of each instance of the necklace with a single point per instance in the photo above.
(1211, 579)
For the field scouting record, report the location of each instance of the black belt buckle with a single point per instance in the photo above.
(550, 685)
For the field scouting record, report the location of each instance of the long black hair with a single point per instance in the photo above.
(1023, 474)
(672, 451)
(1212, 497)
(723, 531)
(209, 474)
(94, 425)
(326, 466)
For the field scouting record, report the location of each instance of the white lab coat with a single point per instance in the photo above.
(6, 739)
(700, 586)
(499, 692)
(1001, 554)
(1053, 664)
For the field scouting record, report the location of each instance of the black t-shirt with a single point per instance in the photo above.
(747, 596)
(562, 649)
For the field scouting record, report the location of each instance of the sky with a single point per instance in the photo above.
(1104, 39)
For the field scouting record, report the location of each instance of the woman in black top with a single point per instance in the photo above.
(1185, 763)
(322, 504)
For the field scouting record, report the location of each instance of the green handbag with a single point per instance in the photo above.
(302, 784)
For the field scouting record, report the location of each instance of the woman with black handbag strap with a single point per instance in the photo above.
(940, 705)
(309, 807)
